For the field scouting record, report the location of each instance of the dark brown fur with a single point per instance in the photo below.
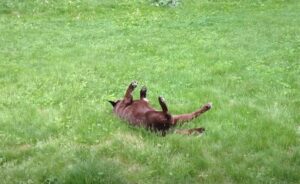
(140, 113)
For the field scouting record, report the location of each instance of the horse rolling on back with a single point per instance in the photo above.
(140, 113)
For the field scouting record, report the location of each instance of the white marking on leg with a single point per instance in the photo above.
(145, 99)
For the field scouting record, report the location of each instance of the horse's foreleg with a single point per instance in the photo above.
(128, 95)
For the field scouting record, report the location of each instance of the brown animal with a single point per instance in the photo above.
(140, 113)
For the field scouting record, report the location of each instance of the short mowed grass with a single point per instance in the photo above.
(60, 61)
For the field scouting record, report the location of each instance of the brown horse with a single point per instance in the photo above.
(140, 113)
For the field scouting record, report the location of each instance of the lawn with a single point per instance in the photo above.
(60, 61)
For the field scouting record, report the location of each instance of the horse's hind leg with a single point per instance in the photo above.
(187, 117)
(163, 104)
(128, 95)
(190, 131)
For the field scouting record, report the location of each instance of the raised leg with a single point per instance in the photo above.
(187, 117)
(163, 104)
(128, 96)
(143, 92)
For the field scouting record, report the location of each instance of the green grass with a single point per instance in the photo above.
(61, 60)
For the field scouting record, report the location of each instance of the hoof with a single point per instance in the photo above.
(133, 84)
(144, 89)
(208, 105)
(199, 130)
(160, 98)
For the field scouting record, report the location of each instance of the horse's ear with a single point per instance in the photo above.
(112, 103)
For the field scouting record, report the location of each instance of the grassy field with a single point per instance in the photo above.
(60, 61)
